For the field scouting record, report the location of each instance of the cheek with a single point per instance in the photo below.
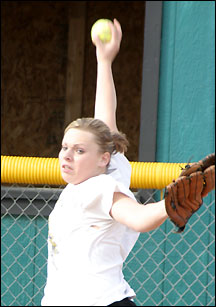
(87, 164)
(60, 156)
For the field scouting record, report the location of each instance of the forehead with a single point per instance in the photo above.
(78, 136)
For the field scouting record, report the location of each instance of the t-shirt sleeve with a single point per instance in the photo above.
(120, 169)
(99, 197)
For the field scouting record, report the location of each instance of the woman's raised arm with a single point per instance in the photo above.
(105, 100)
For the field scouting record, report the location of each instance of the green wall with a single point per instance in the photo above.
(23, 260)
(186, 110)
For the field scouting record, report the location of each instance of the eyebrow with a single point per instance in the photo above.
(74, 145)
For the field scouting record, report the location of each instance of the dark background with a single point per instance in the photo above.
(34, 71)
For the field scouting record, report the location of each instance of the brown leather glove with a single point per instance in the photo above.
(184, 196)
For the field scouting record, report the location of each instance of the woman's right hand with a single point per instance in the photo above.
(106, 52)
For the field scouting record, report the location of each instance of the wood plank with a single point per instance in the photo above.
(75, 65)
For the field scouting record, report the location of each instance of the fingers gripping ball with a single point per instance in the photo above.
(102, 29)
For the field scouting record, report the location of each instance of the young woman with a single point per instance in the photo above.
(96, 221)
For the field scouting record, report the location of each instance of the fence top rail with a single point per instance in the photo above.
(37, 170)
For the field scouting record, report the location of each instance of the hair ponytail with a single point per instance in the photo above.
(120, 142)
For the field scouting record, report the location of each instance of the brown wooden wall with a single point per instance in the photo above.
(35, 42)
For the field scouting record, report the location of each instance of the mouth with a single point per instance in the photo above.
(66, 168)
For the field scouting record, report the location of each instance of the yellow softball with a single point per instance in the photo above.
(102, 29)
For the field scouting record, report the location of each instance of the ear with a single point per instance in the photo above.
(105, 159)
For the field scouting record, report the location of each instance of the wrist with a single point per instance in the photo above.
(104, 62)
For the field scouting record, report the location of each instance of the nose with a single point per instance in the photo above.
(68, 155)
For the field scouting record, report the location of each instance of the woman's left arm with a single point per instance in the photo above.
(141, 218)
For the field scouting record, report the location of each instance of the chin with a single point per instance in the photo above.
(71, 179)
(68, 179)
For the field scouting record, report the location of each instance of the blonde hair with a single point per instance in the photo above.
(108, 141)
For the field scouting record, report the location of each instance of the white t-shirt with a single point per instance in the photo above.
(86, 246)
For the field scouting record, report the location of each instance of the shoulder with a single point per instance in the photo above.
(121, 159)
(102, 189)
(120, 169)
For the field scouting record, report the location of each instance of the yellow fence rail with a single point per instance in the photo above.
(37, 170)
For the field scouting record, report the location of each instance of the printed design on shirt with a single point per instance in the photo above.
(54, 245)
(51, 240)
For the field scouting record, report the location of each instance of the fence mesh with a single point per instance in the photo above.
(164, 268)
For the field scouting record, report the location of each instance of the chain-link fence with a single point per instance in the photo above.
(164, 268)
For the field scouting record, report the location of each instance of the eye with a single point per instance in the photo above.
(64, 147)
(80, 151)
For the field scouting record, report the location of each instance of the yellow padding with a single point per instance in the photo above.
(154, 175)
(35, 170)
(30, 170)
